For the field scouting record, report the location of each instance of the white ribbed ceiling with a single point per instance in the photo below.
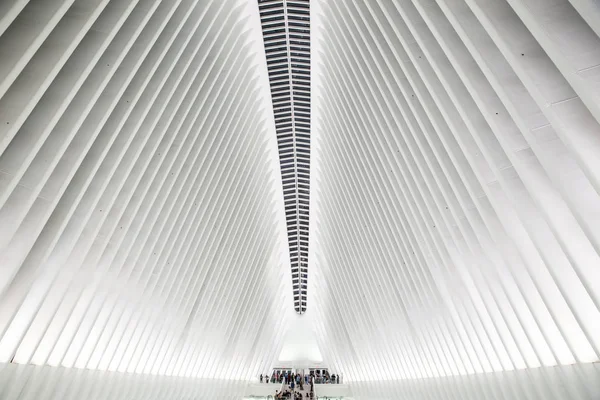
(456, 201)
(455, 207)
(141, 219)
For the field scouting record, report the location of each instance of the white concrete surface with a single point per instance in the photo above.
(455, 200)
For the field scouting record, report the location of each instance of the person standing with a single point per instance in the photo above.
(260, 378)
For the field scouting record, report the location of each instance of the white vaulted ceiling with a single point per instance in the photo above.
(141, 219)
(454, 203)
(456, 196)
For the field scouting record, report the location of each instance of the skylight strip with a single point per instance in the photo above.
(289, 76)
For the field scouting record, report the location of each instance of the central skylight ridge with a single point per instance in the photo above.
(286, 36)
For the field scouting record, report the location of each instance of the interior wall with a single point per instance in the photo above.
(30, 382)
(581, 382)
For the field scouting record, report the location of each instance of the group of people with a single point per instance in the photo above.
(326, 378)
(287, 394)
(295, 383)
(299, 380)
(295, 386)
(285, 377)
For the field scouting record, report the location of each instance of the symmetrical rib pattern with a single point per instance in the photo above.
(141, 220)
(286, 35)
(456, 182)
(455, 238)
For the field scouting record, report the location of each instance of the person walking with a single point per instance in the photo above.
(260, 378)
